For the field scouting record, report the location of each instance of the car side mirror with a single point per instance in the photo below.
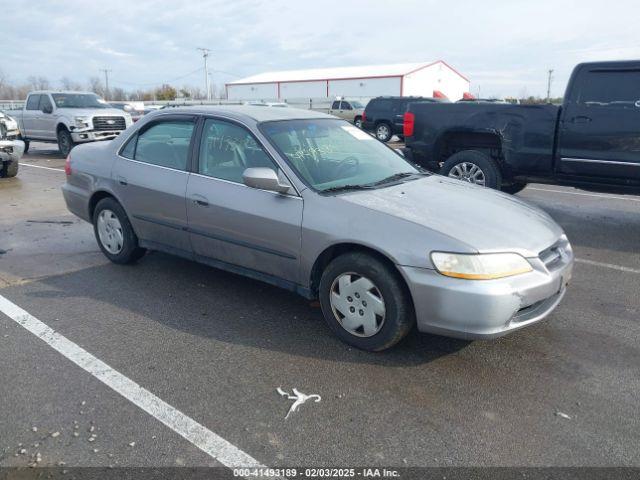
(47, 109)
(264, 179)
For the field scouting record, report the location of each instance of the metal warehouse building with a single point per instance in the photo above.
(404, 79)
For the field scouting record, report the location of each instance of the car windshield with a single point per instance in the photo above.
(333, 154)
(78, 100)
(356, 104)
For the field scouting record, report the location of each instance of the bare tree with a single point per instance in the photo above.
(117, 94)
(96, 86)
(38, 83)
(67, 84)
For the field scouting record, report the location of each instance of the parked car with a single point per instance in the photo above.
(69, 118)
(135, 109)
(384, 116)
(11, 148)
(310, 203)
(591, 141)
(350, 110)
(267, 104)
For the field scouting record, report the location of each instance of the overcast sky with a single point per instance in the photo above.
(504, 47)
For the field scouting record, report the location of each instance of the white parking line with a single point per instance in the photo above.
(608, 265)
(598, 195)
(44, 168)
(203, 438)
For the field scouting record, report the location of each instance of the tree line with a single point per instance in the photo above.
(18, 91)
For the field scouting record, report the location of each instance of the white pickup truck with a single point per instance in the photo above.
(68, 118)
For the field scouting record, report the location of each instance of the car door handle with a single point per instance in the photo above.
(581, 119)
(122, 181)
(200, 200)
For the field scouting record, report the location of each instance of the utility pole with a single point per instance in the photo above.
(106, 82)
(205, 55)
(549, 85)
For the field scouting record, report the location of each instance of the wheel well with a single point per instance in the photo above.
(335, 251)
(95, 198)
(61, 126)
(357, 117)
(453, 142)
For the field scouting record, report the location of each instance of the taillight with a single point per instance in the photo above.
(67, 165)
(364, 117)
(409, 124)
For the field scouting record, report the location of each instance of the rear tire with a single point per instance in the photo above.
(474, 167)
(514, 187)
(117, 240)
(65, 142)
(358, 122)
(365, 302)
(383, 132)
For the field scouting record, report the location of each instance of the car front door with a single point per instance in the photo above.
(29, 115)
(600, 129)
(150, 180)
(229, 222)
(45, 120)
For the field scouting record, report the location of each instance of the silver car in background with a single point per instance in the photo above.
(313, 204)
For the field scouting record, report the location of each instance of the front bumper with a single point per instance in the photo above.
(485, 309)
(11, 150)
(94, 135)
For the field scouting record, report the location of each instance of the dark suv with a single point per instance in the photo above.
(384, 115)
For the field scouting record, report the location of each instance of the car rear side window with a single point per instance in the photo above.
(345, 106)
(335, 105)
(33, 102)
(382, 104)
(227, 149)
(165, 144)
(619, 88)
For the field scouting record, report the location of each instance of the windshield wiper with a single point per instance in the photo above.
(346, 187)
(397, 176)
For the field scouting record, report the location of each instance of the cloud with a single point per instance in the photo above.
(503, 46)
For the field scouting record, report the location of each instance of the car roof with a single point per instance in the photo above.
(258, 114)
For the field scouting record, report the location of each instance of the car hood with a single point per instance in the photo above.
(484, 219)
(92, 112)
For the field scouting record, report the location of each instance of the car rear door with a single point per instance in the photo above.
(29, 114)
(257, 230)
(600, 128)
(150, 180)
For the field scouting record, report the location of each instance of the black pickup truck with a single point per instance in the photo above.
(592, 141)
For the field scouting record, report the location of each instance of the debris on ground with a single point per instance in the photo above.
(34, 429)
(299, 398)
(562, 415)
(55, 434)
(132, 444)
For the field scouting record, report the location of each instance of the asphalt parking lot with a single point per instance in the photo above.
(215, 346)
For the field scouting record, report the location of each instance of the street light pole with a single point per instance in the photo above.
(106, 82)
(207, 86)
(549, 85)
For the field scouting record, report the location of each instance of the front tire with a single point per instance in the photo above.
(474, 167)
(114, 233)
(383, 132)
(365, 302)
(514, 187)
(358, 122)
(11, 170)
(65, 142)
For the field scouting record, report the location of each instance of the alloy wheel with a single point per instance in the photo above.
(468, 172)
(357, 304)
(382, 132)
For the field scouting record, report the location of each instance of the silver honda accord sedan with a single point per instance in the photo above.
(313, 204)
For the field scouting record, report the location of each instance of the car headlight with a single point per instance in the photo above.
(82, 122)
(483, 266)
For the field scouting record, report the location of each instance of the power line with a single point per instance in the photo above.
(163, 81)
